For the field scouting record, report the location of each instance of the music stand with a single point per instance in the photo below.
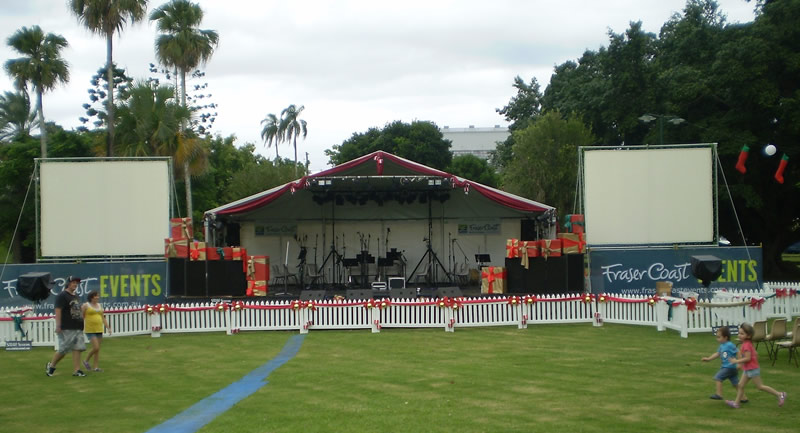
(482, 259)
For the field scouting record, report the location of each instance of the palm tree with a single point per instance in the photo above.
(16, 118)
(106, 17)
(292, 126)
(150, 124)
(41, 66)
(184, 46)
(271, 132)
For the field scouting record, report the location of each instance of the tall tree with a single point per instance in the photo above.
(270, 132)
(521, 111)
(546, 161)
(418, 141)
(184, 46)
(106, 17)
(16, 118)
(41, 67)
(292, 126)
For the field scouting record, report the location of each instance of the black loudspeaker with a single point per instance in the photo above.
(312, 295)
(196, 278)
(235, 276)
(403, 293)
(359, 294)
(706, 268)
(34, 286)
(177, 276)
(450, 292)
(527, 230)
(232, 234)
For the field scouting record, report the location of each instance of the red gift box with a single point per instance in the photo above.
(551, 248)
(534, 248)
(258, 268)
(257, 288)
(572, 243)
(197, 251)
(493, 279)
(227, 253)
(176, 248)
(180, 228)
(512, 248)
(576, 223)
(212, 253)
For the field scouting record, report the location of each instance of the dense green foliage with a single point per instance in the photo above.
(473, 168)
(418, 141)
(734, 85)
(546, 160)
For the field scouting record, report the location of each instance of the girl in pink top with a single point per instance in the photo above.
(748, 357)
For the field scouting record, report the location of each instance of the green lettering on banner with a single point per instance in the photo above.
(136, 285)
(114, 285)
(156, 287)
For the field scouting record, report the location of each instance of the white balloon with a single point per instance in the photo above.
(770, 149)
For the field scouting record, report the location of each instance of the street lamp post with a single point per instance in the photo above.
(675, 120)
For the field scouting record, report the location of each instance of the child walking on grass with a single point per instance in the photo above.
(749, 361)
(726, 353)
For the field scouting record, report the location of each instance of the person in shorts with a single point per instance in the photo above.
(725, 352)
(69, 328)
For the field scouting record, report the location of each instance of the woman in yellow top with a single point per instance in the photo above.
(93, 322)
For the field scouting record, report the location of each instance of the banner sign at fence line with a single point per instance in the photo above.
(120, 284)
(18, 345)
(636, 271)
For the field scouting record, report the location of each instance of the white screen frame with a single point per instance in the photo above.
(649, 195)
(103, 207)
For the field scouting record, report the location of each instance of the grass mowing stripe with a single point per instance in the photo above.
(202, 412)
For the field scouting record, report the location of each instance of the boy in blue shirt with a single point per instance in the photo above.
(726, 352)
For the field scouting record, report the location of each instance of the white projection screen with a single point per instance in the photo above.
(103, 207)
(636, 195)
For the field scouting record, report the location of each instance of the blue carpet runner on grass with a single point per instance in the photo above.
(205, 410)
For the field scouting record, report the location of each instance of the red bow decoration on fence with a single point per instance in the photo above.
(221, 306)
(513, 300)
(652, 301)
(383, 303)
(587, 298)
(781, 293)
(149, 309)
(756, 303)
(602, 298)
(296, 305)
(691, 304)
(238, 305)
(369, 304)
(530, 299)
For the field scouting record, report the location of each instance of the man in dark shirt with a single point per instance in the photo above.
(69, 328)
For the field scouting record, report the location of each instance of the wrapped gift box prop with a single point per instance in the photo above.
(551, 248)
(257, 288)
(258, 268)
(572, 243)
(181, 228)
(493, 279)
(574, 223)
(197, 251)
(176, 248)
(512, 248)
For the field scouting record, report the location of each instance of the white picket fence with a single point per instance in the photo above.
(682, 315)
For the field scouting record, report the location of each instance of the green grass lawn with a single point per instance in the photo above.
(573, 378)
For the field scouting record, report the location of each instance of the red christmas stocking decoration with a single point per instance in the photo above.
(781, 167)
(742, 159)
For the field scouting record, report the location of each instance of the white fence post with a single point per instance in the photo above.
(302, 320)
(155, 325)
(375, 319)
(449, 320)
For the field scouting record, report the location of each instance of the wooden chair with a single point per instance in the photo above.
(778, 332)
(790, 345)
(760, 335)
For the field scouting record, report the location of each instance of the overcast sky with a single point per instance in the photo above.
(354, 64)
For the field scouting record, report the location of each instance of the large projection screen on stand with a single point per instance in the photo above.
(99, 208)
(656, 195)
